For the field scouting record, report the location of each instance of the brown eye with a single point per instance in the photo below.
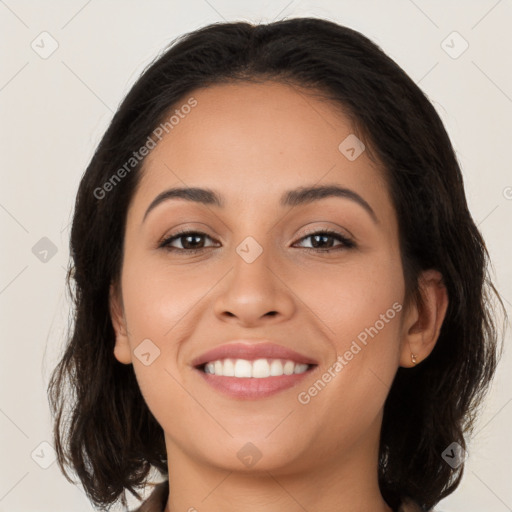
(322, 241)
(190, 241)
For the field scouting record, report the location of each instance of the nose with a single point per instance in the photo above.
(254, 294)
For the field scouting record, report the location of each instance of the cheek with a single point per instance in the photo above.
(161, 303)
(359, 308)
(158, 297)
(351, 297)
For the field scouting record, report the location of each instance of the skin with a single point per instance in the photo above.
(250, 143)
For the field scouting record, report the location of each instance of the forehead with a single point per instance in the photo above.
(251, 141)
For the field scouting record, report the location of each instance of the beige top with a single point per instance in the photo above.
(157, 500)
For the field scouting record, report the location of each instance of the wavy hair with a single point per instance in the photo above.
(103, 429)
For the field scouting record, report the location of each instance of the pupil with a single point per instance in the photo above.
(315, 237)
(188, 237)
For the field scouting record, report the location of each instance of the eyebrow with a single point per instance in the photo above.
(295, 197)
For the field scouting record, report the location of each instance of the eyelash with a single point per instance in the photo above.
(346, 243)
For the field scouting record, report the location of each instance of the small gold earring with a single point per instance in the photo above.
(413, 358)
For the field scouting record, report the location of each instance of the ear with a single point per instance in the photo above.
(122, 350)
(422, 322)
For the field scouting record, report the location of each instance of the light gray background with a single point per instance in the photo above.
(54, 111)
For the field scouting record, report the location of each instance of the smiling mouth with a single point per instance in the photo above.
(257, 369)
(245, 379)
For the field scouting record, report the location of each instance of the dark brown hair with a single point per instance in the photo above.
(103, 429)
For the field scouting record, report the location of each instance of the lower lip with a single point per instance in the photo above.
(252, 388)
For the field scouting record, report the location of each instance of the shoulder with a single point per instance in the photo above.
(157, 500)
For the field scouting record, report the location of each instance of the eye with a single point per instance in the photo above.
(193, 241)
(322, 241)
(190, 241)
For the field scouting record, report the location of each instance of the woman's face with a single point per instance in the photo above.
(261, 276)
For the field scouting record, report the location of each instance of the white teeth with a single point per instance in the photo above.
(289, 366)
(243, 368)
(259, 369)
(300, 368)
(276, 368)
(228, 370)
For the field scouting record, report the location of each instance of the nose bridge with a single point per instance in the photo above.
(252, 272)
(254, 289)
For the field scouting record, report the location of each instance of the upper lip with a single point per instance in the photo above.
(251, 350)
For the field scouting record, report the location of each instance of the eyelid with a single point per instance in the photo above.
(184, 230)
(324, 229)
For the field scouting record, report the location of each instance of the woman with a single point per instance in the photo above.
(281, 297)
